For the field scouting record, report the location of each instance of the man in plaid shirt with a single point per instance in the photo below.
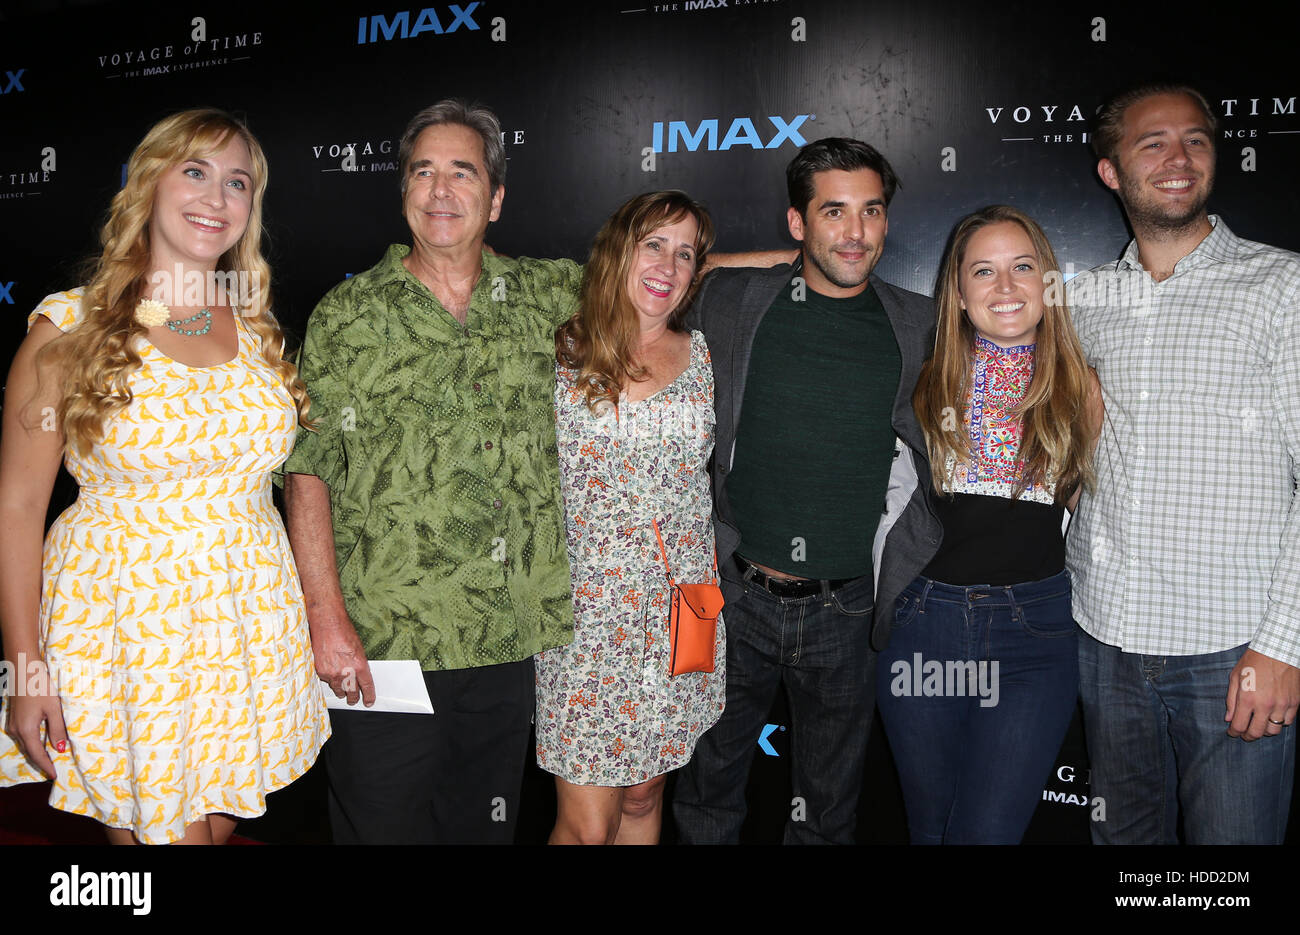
(1186, 556)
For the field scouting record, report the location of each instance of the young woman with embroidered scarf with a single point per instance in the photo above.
(979, 681)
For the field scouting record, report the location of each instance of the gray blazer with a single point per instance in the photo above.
(728, 309)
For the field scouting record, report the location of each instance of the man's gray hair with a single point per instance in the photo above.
(458, 111)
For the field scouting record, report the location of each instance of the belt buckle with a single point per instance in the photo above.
(794, 587)
(769, 583)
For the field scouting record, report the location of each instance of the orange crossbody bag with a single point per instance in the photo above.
(692, 619)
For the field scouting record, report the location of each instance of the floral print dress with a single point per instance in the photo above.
(608, 713)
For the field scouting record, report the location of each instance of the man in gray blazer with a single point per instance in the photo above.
(816, 449)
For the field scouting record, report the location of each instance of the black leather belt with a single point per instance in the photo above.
(783, 587)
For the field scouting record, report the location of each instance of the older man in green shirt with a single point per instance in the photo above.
(425, 510)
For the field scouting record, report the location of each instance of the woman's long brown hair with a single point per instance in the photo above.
(600, 340)
(1055, 441)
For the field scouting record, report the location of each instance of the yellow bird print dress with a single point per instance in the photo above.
(171, 616)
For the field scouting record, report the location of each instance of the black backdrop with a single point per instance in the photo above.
(973, 103)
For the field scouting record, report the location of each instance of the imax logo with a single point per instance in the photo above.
(742, 132)
(13, 81)
(425, 21)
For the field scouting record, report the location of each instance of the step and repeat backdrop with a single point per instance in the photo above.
(973, 103)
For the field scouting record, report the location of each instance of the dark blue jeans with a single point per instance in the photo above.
(820, 647)
(976, 692)
(1157, 740)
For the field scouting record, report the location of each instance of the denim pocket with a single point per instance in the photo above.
(905, 612)
(862, 607)
(1049, 618)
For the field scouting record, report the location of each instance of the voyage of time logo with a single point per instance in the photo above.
(29, 180)
(184, 52)
(1240, 117)
(378, 154)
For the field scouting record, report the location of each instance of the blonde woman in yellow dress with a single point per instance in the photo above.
(165, 678)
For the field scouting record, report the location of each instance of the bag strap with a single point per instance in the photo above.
(663, 553)
(621, 484)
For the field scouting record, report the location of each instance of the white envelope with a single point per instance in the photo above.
(399, 688)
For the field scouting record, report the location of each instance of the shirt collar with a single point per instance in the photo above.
(392, 270)
(1218, 246)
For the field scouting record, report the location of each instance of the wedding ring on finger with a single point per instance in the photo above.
(1278, 723)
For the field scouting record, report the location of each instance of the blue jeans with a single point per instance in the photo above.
(1157, 741)
(976, 692)
(820, 646)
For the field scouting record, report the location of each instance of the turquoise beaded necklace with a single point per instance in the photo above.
(179, 325)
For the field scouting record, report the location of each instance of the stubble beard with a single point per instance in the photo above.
(1151, 219)
(823, 260)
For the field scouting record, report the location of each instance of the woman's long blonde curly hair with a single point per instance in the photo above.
(95, 359)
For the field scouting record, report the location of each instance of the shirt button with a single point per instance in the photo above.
(496, 504)
(465, 331)
(1144, 394)
(487, 445)
(1148, 340)
(477, 387)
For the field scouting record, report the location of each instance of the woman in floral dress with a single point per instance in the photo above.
(634, 410)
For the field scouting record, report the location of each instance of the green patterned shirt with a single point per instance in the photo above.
(437, 442)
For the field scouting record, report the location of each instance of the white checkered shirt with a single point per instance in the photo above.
(1191, 543)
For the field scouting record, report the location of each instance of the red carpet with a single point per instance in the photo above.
(26, 818)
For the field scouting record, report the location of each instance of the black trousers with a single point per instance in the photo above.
(453, 777)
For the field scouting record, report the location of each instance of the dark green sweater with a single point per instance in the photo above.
(815, 440)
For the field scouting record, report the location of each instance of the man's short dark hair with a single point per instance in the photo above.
(834, 152)
(461, 112)
(1109, 123)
